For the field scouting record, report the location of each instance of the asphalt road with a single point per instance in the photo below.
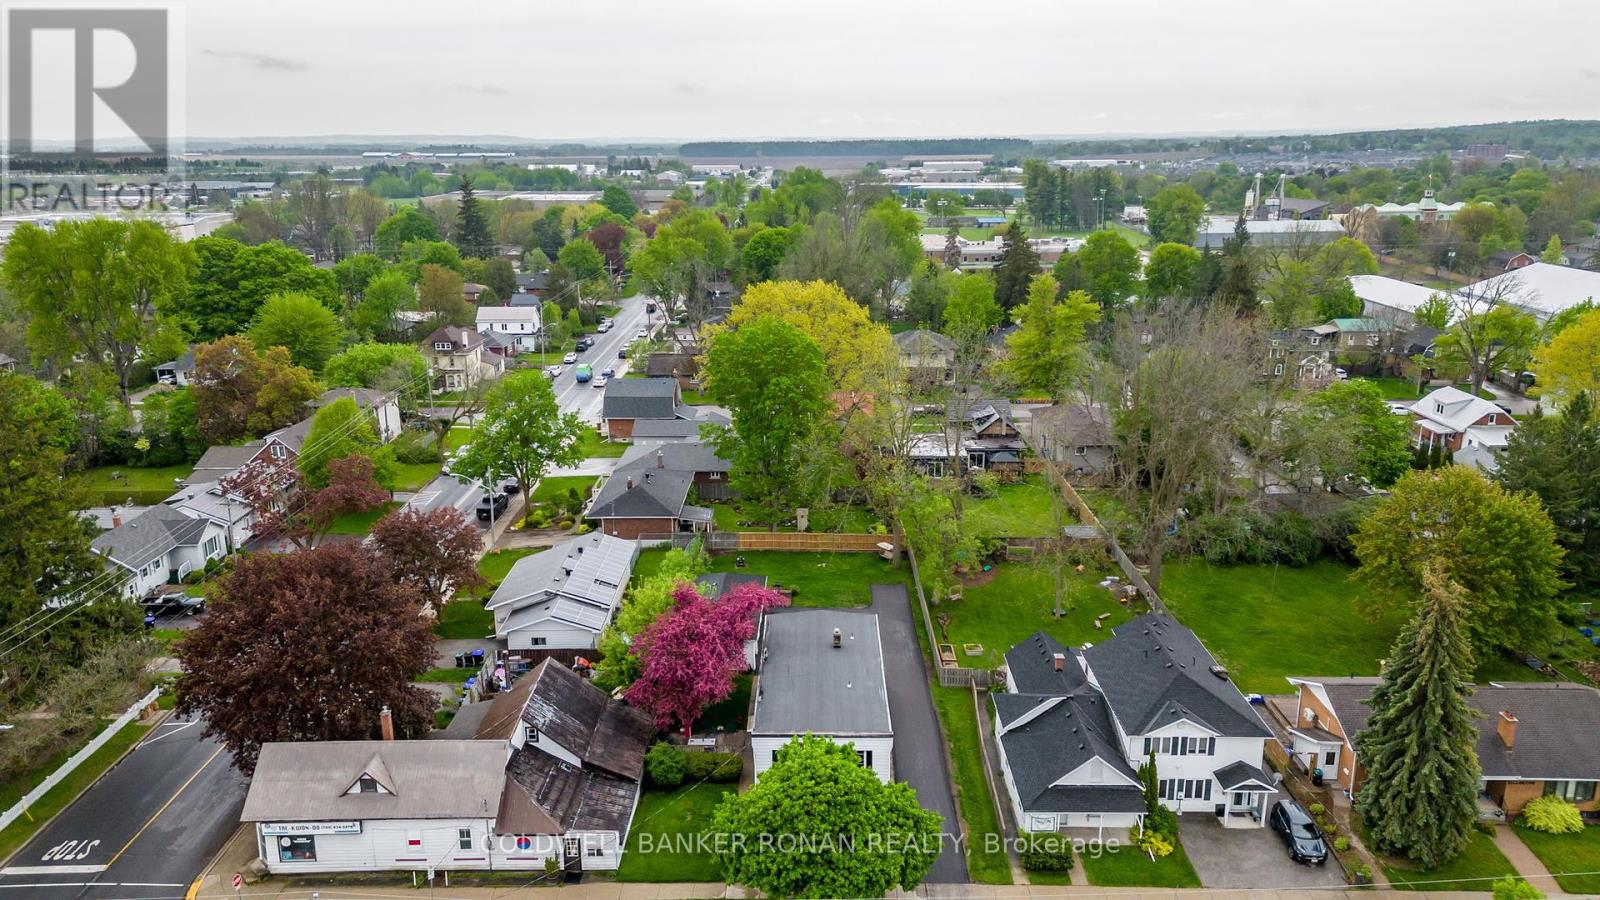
(918, 747)
(584, 398)
(145, 829)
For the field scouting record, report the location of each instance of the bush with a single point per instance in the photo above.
(665, 765)
(213, 565)
(1046, 853)
(1552, 815)
(1162, 821)
(1316, 809)
(1154, 842)
(415, 448)
(1513, 888)
(718, 768)
(194, 576)
(1341, 843)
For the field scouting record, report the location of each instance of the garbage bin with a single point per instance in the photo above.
(461, 660)
(1316, 778)
(477, 659)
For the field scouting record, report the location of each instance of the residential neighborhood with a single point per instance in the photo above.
(788, 481)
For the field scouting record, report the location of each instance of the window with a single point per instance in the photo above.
(533, 735)
(537, 641)
(1331, 757)
(1277, 369)
(1490, 420)
(366, 784)
(1350, 340)
(594, 850)
(1576, 791)
(279, 451)
(1316, 340)
(865, 757)
(464, 838)
(1184, 789)
(442, 345)
(297, 848)
(1080, 451)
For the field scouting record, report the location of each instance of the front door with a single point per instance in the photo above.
(571, 854)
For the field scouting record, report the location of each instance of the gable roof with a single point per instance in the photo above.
(640, 398)
(921, 341)
(149, 536)
(510, 314)
(546, 795)
(602, 732)
(306, 781)
(1461, 409)
(579, 581)
(1154, 671)
(1079, 424)
(645, 494)
(687, 456)
(219, 462)
(460, 338)
(1391, 293)
(1064, 733)
(807, 685)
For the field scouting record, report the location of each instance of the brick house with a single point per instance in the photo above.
(628, 400)
(650, 490)
(1456, 420)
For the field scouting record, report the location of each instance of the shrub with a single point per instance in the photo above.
(212, 565)
(985, 484)
(1552, 815)
(1316, 809)
(1162, 821)
(665, 765)
(718, 768)
(414, 448)
(1513, 888)
(1341, 843)
(1154, 842)
(1046, 853)
(193, 577)
(1484, 828)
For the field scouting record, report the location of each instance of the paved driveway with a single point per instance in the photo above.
(918, 746)
(1248, 857)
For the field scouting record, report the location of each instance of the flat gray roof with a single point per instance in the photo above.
(806, 685)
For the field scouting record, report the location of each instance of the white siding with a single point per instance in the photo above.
(384, 845)
(557, 636)
(1191, 766)
(882, 749)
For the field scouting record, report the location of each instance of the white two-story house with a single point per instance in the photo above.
(518, 325)
(1075, 725)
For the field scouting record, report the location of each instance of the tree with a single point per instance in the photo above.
(47, 551)
(1174, 214)
(239, 392)
(1421, 792)
(1110, 267)
(944, 204)
(690, 655)
(307, 646)
(681, 258)
(472, 224)
(616, 199)
(971, 312)
(816, 793)
(1346, 431)
(1046, 350)
(1488, 332)
(1434, 312)
(377, 314)
(1552, 251)
(1514, 888)
(400, 368)
(1570, 363)
(1238, 287)
(433, 552)
(648, 599)
(440, 293)
(231, 280)
(1170, 272)
(773, 379)
(339, 430)
(408, 224)
(354, 273)
(300, 324)
(1019, 263)
(523, 432)
(1500, 547)
(1552, 457)
(763, 252)
(856, 349)
(102, 291)
(287, 507)
(952, 248)
(928, 293)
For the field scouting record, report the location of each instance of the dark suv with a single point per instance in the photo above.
(493, 507)
(1294, 825)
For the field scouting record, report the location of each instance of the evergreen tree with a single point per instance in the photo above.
(1238, 287)
(1207, 277)
(472, 224)
(1552, 456)
(1019, 263)
(952, 248)
(1420, 796)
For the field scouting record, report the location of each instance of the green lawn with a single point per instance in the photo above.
(451, 675)
(1129, 867)
(414, 476)
(670, 819)
(593, 445)
(494, 566)
(697, 398)
(1393, 388)
(1019, 509)
(821, 579)
(360, 522)
(465, 620)
(112, 485)
(557, 486)
(1567, 853)
(731, 516)
(456, 438)
(1018, 600)
(1480, 864)
(729, 714)
(59, 797)
(986, 860)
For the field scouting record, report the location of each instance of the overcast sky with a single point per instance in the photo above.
(617, 69)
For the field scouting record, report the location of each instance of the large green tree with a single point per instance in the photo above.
(617, 199)
(1045, 353)
(232, 280)
(1420, 796)
(774, 380)
(1171, 271)
(377, 314)
(1554, 458)
(523, 432)
(1174, 214)
(339, 430)
(1346, 430)
(384, 367)
(1109, 266)
(1499, 546)
(300, 324)
(852, 835)
(763, 252)
(1019, 263)
(102, 291)
(472, 224)
(406, 225)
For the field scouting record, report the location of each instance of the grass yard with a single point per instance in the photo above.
(414, 476)
(1567, 853)
(112, 485)
(696, 398)
(457, 438)
(556, 487)
(957, 716)
(1480, 864)
(361, 522)
(1018, 599)
(1019, 509)
(59, 797)
(671, 819)
(820, 579)
(593, 445)
(1128, 867)
(464, 619)
(495, 565)
(731, 516)
(447, 676)
(729, 714)
(1393, 388)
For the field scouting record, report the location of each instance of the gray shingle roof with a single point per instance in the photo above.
(298, 782)
(1241, 775)
(579, 581)
(649, 494)
(923, 341)
(149, 536)
(1155, 671)
(1075, 424)
(688, 456)
(806, 685)
(1070, 730)
(715, 584)
(640, 398)
(218, 463)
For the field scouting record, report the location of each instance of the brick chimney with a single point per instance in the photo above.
(661, 461)
(630, 482)
(1506, 727)
(386, 724)
(116, 518)
(1060, 662)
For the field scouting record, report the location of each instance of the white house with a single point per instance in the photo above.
(1074, 725)
(159, 546)
(563, 598)
(820, 672)
(230, 511)
(553, 772)
(383, 406)
(518, 324)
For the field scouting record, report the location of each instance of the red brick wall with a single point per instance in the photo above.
(620, 429)
(632, 528)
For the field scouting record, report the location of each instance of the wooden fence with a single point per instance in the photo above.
(1087, 516)
(781, 541)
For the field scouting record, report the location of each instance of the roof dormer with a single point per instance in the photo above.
(374, 779)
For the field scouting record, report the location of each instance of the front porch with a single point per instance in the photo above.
(1245, 793)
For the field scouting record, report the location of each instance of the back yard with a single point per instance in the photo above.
(1019, 509)
(1000, 608)
(668, 822)
(819, 579)
(111, 485)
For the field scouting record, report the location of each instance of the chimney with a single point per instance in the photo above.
(630, 482)
(661, 461)
(1061, 662)
(116, 519)
(838, 639)
(1506, 727)
(386, 724)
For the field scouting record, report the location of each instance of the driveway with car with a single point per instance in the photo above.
(1248, 857)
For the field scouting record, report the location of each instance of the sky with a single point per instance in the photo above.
(708, 69)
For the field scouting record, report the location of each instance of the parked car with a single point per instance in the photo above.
(622, 353)
(584, 344)
(553, 371)
(608, 372)
(570, 358)
(1340, 374)
(642, 334)
(493, 507)
(1399, 407)
(1292, 823)
(601, 381)
(604, 326)
(510, 486)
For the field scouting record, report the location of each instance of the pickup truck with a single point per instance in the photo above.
(493, 507)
